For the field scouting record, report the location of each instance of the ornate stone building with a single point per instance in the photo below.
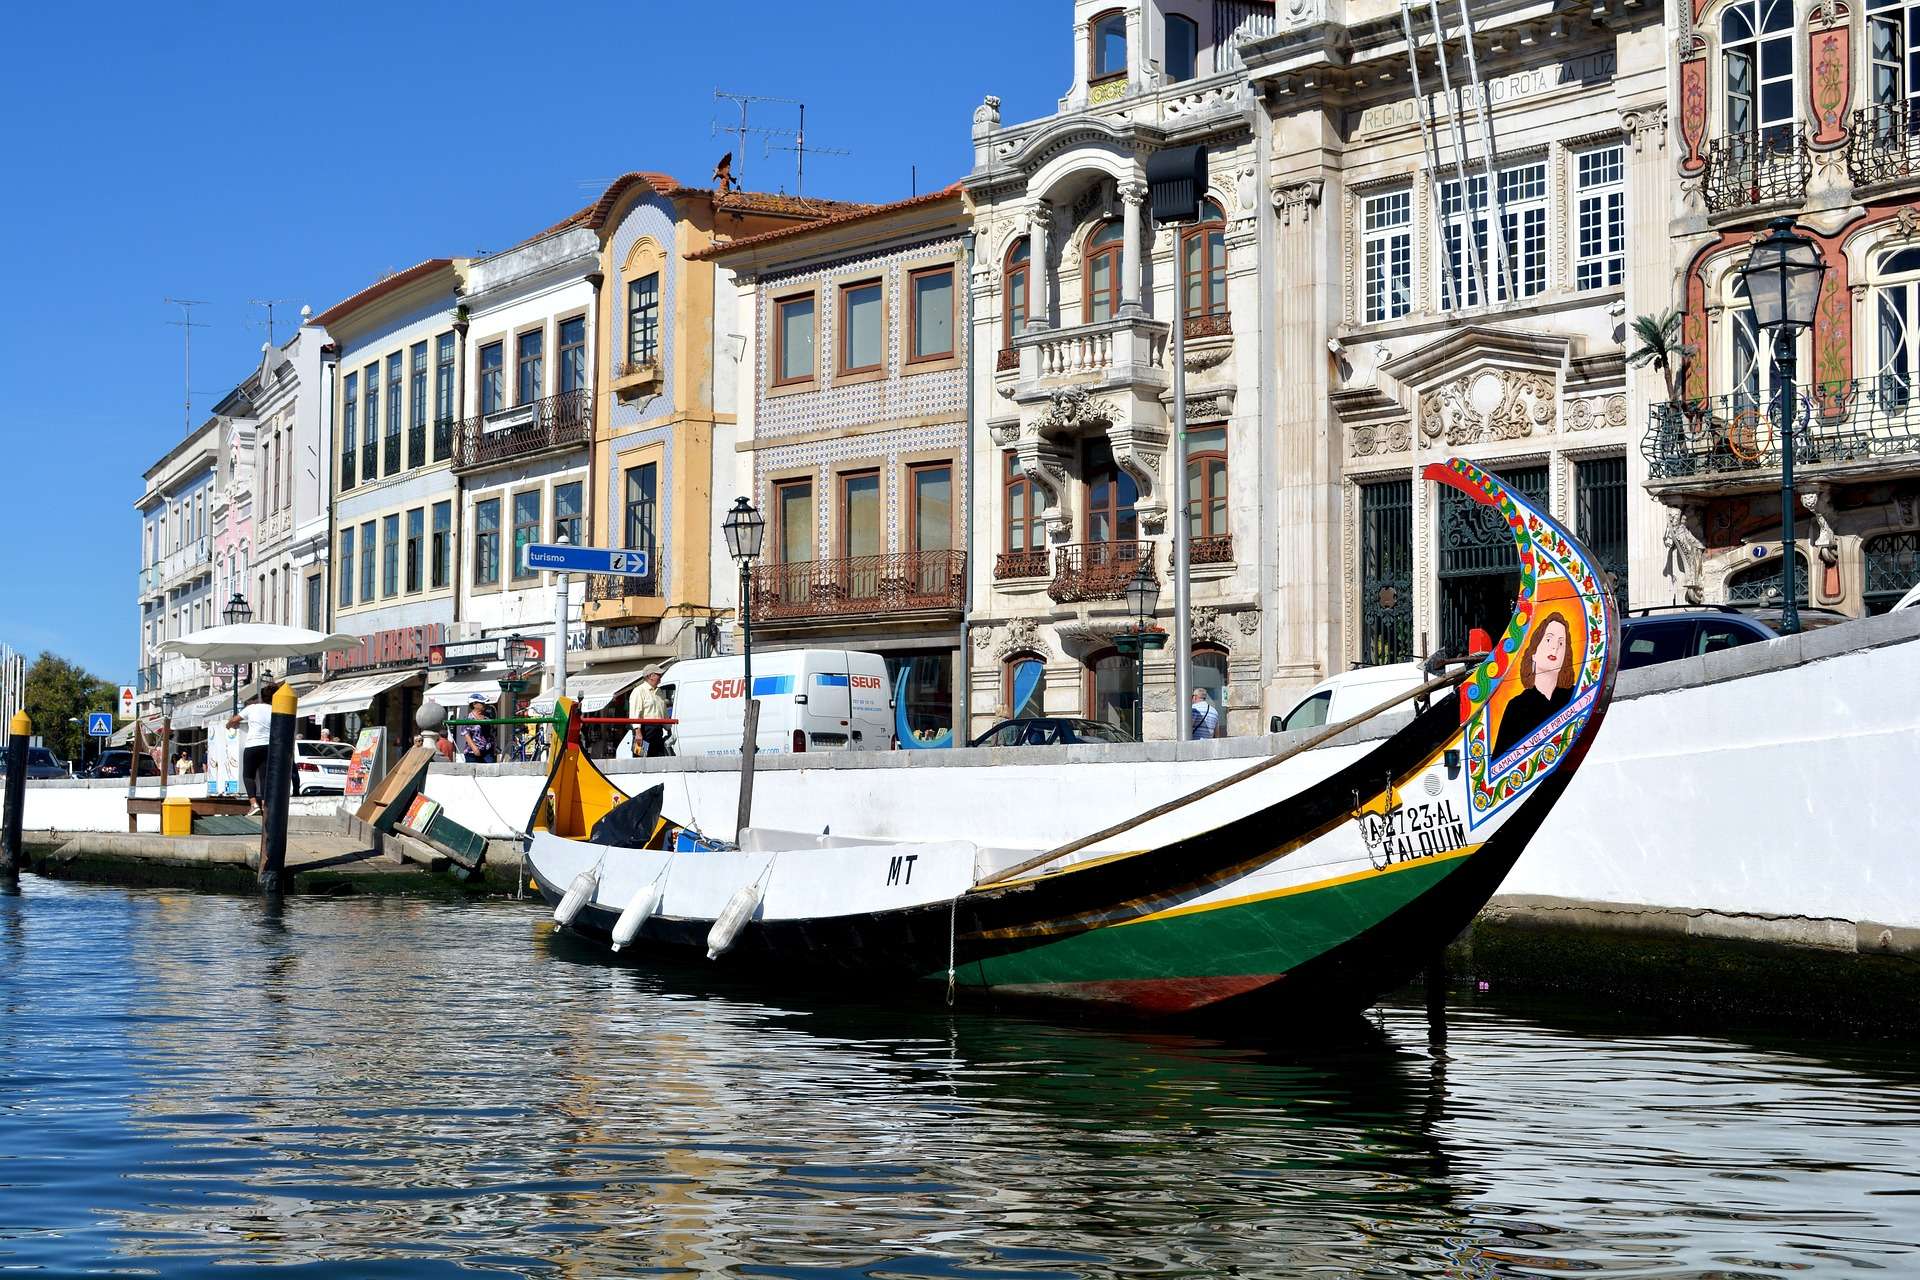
(1800, 108)
(1074, 297)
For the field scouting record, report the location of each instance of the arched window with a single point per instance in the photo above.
(1207, 492)
(1750, 352)
(1113, 691)
(1017, 286)
(1760, 583)
(1209, 671)
(1203, 264)
(1100, 277)
(1893, 54)
(1896, 310)
(1025, 686)
(1756, 46)
(1107, 46)
(1893, 566)
(1111, 495)
(1025, 554)
(1183, 48)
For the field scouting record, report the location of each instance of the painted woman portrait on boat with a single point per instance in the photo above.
(1549, 668)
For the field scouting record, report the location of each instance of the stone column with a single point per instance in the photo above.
(1133, 197)
(1306, 599)
(1039, 224)
(1651, 290)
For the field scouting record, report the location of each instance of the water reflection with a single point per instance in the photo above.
(433, 1089)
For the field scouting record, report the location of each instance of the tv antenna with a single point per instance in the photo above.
(187, 323)
(800, 149)
(269, 304)
(741, 130)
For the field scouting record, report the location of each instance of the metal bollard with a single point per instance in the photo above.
(279, 791)
(21, 730)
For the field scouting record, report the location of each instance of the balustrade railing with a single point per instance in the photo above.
(910, 582)
(1749, 170)
(1214, 548)
(554, 422)
(1097, 347)
(1867, 419)
(1020, 564)
(618, 586)
(1884, 145)
(1097, 570)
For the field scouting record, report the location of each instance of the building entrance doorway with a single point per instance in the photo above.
(1479, 569)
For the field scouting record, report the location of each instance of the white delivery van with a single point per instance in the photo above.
(810, 700)
(1346, 695)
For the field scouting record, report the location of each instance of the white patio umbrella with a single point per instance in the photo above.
(253, 641)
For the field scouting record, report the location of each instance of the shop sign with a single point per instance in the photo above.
(399, 646)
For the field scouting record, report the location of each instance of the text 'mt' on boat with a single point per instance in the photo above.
(1233, 901)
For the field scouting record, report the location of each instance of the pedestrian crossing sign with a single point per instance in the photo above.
(100, 724)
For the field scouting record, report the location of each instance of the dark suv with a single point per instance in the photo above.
(1649, 636)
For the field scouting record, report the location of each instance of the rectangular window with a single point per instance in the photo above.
(390, 556)
(643, 320)
(1386, 231)
(1523, 198)
(641, 512)
(1600, 218)
(416, 547)
(370, 428)
(396, 364)
(793, 522)
(860, 531)
(443, 397)
(1022, 508)
(314, 602)
(417, 410)
(526, 529)
(573, 354)
(369, 569)
(930, 318)
(442, 550)
(345, 571)
(493, 378)
(486, 543)
(932, 515)
(529, 365)
(793, 339)
(566, 513)
(862, 321)
(1206, 482)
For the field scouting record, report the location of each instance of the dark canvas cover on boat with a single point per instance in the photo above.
(630, 824)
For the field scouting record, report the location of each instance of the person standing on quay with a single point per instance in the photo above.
(257, 718)
(1206, 720)
(646, 703)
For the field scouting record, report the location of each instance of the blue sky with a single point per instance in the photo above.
(239, 151)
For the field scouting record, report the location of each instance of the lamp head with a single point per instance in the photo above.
(1143, 593)
(237, 610)
(1783, 274)
(745, 529)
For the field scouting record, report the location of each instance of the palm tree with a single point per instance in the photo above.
(1660, 346)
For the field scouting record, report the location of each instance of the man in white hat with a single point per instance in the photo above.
(646, 703)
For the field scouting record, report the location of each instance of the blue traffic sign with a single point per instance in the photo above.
(561, 558)
(100, 724)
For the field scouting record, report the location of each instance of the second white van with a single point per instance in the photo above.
(810, 700)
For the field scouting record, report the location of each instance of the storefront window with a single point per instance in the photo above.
(922, 698)
(1111, 690)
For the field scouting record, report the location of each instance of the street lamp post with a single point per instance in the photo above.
(236, 612)
(1143, 601)
(745, 528)
(1783, 275)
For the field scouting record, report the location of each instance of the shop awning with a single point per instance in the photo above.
(593, 691)
(455, 694)
(350, 693)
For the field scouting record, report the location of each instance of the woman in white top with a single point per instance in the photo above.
(257, 718)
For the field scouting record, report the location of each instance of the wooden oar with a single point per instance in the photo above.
(1181, 802)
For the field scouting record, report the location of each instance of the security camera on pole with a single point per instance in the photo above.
(1177, 183)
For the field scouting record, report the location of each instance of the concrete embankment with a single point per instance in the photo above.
(1738, 809)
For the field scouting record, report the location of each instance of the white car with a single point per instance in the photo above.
(320, 766)
(1349, 693)
(1909, 600)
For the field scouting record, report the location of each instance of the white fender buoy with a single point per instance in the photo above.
(739, 909)
(578, 895)
(638, 911)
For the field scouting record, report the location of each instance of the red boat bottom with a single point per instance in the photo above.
(1147, 995)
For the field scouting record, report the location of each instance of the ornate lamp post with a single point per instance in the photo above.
(745, 529)
(238, 611)
(1143, 601)
(1783, 275)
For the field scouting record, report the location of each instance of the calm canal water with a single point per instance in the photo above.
(368, 1088)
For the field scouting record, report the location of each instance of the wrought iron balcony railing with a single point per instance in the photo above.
(1755, 170)
(149, 680)
(1865, 420)
(618, 586)
(1884, 145)
(1020, 564)
(1214, 548)
(1097, 570)
(911, 582)
(554, 422)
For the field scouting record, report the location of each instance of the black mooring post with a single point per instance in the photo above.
(20, 732)
(279, 791)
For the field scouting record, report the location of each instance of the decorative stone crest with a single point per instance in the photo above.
(983, 638)
(1072, 409)
(1005, 431)
(1206, 626)
(1248, 620)
(1485, 405)
(1297, 199)
(1022, 635)
(987, 114)
(1595, 412)
(1367, 439)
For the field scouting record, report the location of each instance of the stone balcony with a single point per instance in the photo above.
(1122, 352)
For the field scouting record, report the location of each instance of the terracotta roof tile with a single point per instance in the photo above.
(854, 213)
(380, 288)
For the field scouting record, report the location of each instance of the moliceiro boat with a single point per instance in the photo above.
(1233, 900)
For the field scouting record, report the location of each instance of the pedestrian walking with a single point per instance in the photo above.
(647, 703)
(1206, 717)
(256, 722)
(476, 745)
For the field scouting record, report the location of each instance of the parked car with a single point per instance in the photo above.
(1347, 694)
(1650, 636)
(320, 766)
(41, 763)
(1909, 600)
(810, 700)
(113, 764)
(1050, 731)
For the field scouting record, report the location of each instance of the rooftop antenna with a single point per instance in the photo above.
(187, 323)
(800, 149)
(269, 304)
(741, 130)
